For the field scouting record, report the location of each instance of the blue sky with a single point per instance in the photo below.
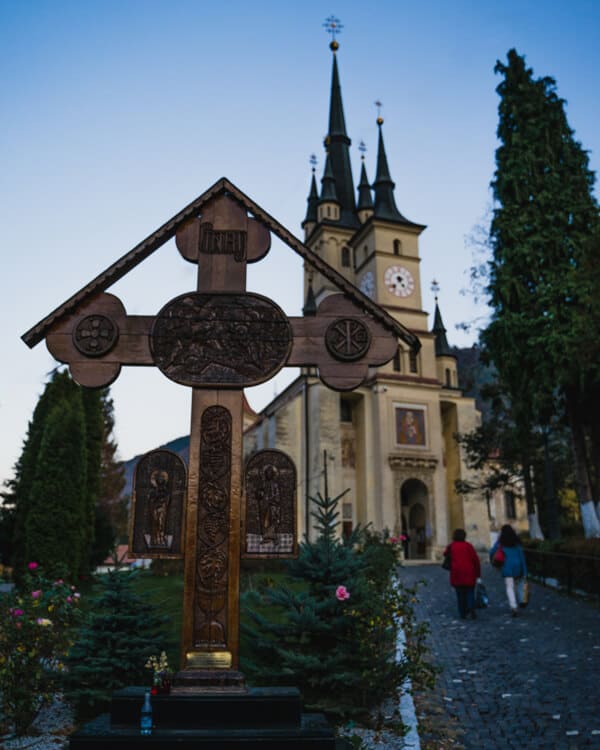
(117, 114)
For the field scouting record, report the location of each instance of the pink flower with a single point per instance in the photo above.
(402, 537)
(17, 613)
(33, 565)
(341, 593)
(77, 595)
(394, 539)
(36, 594)
(58, 582)
(69, 599)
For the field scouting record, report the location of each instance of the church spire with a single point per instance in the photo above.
(365, 199)
(337, 141)
(385, 204)
(442, 348)
(312, 201)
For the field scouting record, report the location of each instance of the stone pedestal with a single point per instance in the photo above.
(252, 720)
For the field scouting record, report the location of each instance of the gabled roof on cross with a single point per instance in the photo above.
(164, 233)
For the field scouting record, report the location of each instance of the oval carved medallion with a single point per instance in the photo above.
(220, 339)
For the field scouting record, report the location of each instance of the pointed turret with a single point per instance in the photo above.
(365, 199)
(445, 359)
(442, 348)
(329, 205)
(338, 148)
(385, 204)
(312, 204)
(310, 306)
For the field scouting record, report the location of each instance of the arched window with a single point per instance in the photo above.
(413, 362)
(346, 256)
(397, 247)
(448, 378)
(397, 361)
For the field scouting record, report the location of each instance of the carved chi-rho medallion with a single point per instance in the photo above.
(220, 340)
(158, 494)
(270, 506)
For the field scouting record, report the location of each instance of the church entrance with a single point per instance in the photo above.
(415, 523)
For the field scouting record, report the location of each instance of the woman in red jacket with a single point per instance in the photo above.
(464, 572)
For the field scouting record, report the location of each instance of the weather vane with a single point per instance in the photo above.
(435, 288)
(334, 27)
(379, 105)
(363, 149)
(313, 161)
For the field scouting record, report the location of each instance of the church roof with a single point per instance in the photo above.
(385, 203)
(164, 233)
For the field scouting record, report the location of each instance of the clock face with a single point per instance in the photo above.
(367, 284)
(399, 281)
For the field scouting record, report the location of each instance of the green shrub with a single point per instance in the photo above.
(112, 647)
(37, 624)
(334, 637)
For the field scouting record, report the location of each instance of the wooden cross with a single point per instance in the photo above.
(217, 340)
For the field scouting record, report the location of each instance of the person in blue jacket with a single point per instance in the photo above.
(514, 567)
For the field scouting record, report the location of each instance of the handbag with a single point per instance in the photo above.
(499, 557)
(447, 561)
(481, 597)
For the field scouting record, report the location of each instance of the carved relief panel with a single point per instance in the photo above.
(157, 512)
(214, 500)
(270, 506)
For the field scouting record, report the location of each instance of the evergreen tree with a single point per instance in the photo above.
(544, 219)
(87, 472)
(57, 526)
(19, 488)
(111, 649)
(339, 651)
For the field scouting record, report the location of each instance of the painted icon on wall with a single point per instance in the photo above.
(410, 425)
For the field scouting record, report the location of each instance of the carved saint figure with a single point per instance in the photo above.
(269, 502)
(160, 500)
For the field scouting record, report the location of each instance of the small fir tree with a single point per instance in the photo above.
(111, 649)
(334, 634)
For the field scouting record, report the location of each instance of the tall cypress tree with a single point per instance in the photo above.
(57, 523)
(544, 219)
(62, 468)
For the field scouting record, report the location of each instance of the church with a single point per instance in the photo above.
(389, 445)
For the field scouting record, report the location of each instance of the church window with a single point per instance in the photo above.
(328, 211)
(397, 247)
(345, 410)
(413, 362)
(365, 251)
(448, 378)
(397, 361)
(509, 504)
(346, 257)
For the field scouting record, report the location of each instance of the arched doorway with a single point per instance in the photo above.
(414, 503)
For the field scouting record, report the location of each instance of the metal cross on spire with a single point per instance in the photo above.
(379, 105)
(334, 27)
(313, 161)
(363, 149)
(435, 288)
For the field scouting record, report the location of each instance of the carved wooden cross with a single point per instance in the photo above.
(217, 340)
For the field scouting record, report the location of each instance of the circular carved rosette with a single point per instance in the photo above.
(220, 340)
(95, 335)
(347, 339)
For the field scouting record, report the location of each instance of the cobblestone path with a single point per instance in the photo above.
(527, 682)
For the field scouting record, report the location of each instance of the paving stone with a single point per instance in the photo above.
(523, 682)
